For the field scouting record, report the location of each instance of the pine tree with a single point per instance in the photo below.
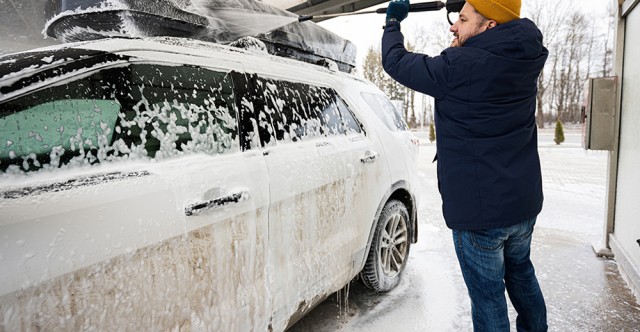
(373, 71)
(372, 67)
(432, 132)
(559, 137)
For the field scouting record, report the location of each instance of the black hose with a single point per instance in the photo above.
(419, 7)
(451, 5)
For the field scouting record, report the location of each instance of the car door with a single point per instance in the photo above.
(317, 158)
(130, 182)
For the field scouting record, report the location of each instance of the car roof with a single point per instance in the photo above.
(37, 68)
(33, 68)
(12, 64)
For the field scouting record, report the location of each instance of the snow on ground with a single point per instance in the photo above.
(583, 292)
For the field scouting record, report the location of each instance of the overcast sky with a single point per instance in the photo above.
(366, 30)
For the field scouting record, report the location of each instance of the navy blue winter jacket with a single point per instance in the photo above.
(485, 101)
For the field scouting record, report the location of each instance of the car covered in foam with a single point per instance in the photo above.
(166, 183)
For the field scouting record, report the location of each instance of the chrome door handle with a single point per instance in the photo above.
(369, 157)
(198, 208)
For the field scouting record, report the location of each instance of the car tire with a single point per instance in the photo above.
(389, 248)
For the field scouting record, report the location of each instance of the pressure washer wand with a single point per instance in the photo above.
(417, 7)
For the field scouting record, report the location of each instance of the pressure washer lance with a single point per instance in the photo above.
(453, 6)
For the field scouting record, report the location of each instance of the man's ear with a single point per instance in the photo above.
(492, 24)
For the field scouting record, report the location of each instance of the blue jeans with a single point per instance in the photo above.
(492, 260)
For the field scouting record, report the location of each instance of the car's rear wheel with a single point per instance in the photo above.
(389, 248)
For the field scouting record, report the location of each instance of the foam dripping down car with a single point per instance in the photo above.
(154, 182)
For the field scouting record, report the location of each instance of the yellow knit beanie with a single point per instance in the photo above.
(501, 11)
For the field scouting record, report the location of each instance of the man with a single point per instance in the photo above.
(485, 88)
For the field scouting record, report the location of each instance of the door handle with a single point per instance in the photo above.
(220, 202)
(369, 157)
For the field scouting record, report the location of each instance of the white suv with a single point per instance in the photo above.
(166, 183)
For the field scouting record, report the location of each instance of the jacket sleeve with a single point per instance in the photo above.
(419, 72)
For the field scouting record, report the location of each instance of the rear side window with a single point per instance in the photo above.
(130, 112)
(384, 109)
(292, 112)
(39, 128)
(351, 125)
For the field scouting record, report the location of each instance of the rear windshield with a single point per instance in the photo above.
(385, 110)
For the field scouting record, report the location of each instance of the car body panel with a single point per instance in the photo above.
(248, 239)
(134, 226)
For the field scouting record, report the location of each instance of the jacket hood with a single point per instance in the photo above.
(518, 39)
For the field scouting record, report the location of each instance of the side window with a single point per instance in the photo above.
(132, 112)
(384, 109)
(175, 110)
(288, 111)
(291, 112)
(44, 133)
(338, 119)
(351, 125)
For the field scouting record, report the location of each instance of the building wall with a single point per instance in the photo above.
(627, 208)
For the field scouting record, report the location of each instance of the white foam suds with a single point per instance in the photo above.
(240, 22)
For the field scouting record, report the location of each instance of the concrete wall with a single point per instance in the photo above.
(626, 230)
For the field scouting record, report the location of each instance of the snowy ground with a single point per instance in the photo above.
(583, 292)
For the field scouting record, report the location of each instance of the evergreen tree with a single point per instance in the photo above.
(373, 71)
(559, 137)
(432, 132)
(372, 68)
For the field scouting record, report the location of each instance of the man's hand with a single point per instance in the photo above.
(398, 10)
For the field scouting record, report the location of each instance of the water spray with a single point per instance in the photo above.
(452, 6)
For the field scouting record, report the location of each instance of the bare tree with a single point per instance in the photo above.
(549, 21)
(579, 48)
(579, 44)
(410, 98)
(430, 40)
(591, 44)
(575, 50)
(434, 38)
(612, 11)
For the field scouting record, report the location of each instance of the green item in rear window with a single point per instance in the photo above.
(72, 124)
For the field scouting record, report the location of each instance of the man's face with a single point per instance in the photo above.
(469, 24)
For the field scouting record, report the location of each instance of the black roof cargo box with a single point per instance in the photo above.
(207, 20)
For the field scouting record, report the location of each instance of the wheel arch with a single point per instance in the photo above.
(399, 191)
